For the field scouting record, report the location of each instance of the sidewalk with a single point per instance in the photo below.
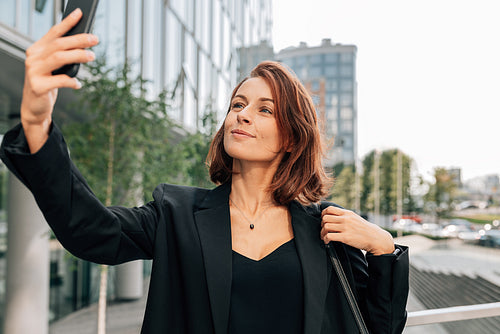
(121, 318)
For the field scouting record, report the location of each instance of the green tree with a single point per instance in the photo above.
(441, 193)
(122, 143)
(387, 174)
(343, 192)
(195, 150)
(367, 183)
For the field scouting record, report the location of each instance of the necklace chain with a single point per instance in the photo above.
(251, 222)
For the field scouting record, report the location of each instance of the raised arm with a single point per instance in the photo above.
(40, 86)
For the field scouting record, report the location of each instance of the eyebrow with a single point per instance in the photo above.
(264, 99)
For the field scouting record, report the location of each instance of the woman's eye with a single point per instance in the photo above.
(237, 105)
(267, 111)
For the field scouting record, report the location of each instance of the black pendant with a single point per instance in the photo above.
(251, 226)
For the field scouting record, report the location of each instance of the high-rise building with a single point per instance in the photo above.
(187, 47)
(329, 73)
(252, 55)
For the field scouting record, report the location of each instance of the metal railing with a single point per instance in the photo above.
(456, 313)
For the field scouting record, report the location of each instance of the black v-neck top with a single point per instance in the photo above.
(267, 296)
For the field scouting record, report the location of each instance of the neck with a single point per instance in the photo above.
(249, 187)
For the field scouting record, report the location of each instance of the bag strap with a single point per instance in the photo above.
(330, 248)
(347, 289)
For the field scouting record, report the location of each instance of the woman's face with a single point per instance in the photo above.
(250, 129)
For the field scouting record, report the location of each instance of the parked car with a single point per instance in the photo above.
(490, 238)
(456, 227)
(407, 225)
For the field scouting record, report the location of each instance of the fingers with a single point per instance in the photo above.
(338, 224)
(41, 87)
(80, 41)
(64, 26)
(39, 69)
(61, 58)
(333, 210)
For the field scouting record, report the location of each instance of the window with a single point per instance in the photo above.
(8, 12)
(346, 100)
(331, 71)
(346, 113)
(179, 6)
(300, 61)
(334, 100)
(172, 52)
(347, 127)
(216, 34)
(331, 58)
(190, 62)
(346, 85)
(346, 57)
(42, 20)
(331, 85)
(315, 71)
(134, 44)
(115, 49)
(331, 114)
(315, 59)
(226, 46)
(346, 71)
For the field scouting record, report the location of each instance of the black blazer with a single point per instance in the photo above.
(187, 233)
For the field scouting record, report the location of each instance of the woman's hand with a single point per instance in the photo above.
(347, 227)
(40, 86)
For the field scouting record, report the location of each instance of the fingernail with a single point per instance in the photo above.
(93, 39)
(90, 55)
(78, 83)
(76, 12)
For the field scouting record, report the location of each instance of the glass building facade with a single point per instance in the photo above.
(187, 47)
(329, 72)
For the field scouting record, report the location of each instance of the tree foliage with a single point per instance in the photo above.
(343, 192)
(441, 193)
(120, 126)
(195, 150)
(385, 167)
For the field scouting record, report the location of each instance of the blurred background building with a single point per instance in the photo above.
(189, 48)
(329, 73)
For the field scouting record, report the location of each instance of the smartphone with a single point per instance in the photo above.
(88, 8)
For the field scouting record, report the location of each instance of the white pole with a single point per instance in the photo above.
(27, 279)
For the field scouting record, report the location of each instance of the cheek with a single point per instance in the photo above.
(273, 138)
(229, 121)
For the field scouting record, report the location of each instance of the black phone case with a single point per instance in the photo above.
(88, 8)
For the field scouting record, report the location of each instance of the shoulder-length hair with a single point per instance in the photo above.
(300, 174)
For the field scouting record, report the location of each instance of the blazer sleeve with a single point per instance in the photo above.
(81, 223)
(381, 285)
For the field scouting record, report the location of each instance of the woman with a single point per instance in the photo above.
(245, 257)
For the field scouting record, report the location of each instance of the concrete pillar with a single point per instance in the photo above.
(27, 281)
(129, 280)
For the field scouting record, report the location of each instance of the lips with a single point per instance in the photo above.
(239, 132)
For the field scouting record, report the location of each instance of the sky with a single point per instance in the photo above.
(428, 74)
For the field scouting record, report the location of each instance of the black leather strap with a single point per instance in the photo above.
(347, 289)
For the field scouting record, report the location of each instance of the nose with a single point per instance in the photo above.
(244, 116)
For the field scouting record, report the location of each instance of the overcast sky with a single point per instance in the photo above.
(428, 74)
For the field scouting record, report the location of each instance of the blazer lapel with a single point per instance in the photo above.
(315, 268)
(214, 228)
